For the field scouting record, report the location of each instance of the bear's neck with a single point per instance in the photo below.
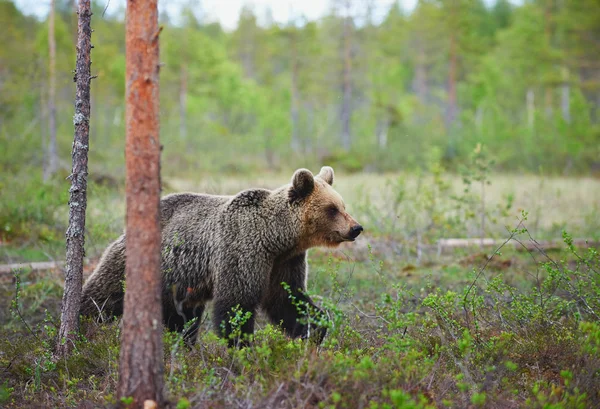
(283, 238)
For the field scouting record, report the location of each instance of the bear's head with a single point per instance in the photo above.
(323, 215)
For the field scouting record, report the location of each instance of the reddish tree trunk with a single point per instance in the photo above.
(141, 361)
(69, 321)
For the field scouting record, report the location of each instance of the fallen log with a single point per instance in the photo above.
(527, 244)
(33, 266)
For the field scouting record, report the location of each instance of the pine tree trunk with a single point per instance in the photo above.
(183, 102)
(141, 361)
(69, 321)
(530, 100)
(452, 77)
(479, 117)
(43, 115)
(294, 110)
(381, 130)
(565, 97)
(347, 82)
(548, 103)
(51, 154)
(421, 77)
(420, 84)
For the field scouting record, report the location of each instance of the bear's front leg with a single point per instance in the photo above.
(289, 306)
(234, 321)
(237, 294)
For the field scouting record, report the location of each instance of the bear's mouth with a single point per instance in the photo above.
(340, 238)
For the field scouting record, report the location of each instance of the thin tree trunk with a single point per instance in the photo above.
(269, 154)
(565, 100)
(69, 321)
(294, 110)
(311, 129)
(382, 131)
(452, 77)
(44, 128)
(141, 362)
(421, 77)
(479, 117)
(347, 82)
(183, 102)
(530, 109)
(548, 102)
(420, 84)
(52, 155)
(548, 35)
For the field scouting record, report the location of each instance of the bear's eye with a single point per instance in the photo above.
(332, 210)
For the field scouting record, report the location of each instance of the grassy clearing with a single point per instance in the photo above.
(388, 203)
(406, 208)
(409, 328)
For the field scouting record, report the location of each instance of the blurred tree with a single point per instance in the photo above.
(51, 157)
(244, 40)
(390, 73)
(446, 75)
(346, 113)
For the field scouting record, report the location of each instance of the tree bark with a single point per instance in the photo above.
(51, 154)
(141, 360)
(69, 321)
(347, 81)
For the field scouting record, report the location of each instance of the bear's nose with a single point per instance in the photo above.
(355, 231)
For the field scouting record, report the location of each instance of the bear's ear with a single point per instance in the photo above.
(303, 183)
(326, 174)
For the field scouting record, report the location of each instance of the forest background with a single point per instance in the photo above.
(522, 80)
(457, 119)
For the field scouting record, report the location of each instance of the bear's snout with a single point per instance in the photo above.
(355, 231)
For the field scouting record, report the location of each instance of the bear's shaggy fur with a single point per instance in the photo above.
(236, 251)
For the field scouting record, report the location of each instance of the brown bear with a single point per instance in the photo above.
(237, 251)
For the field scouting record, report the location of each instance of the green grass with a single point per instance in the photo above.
(410, 328)
(402, 336)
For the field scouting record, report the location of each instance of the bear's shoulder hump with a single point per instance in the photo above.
(250, 197)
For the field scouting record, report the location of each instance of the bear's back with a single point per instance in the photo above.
(191, 205)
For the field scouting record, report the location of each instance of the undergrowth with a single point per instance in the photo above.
(391, 343)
